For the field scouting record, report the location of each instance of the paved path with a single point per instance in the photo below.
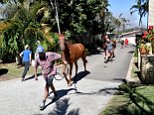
(87, 97)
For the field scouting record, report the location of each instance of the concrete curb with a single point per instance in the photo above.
(128, 76)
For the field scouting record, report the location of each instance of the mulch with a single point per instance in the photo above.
(4, 77)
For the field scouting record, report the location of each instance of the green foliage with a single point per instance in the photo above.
(55, 45)
(23, 29)
(132, 99)
(27, 20)
(141, 7)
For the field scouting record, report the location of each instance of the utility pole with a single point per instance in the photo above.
(54, 6)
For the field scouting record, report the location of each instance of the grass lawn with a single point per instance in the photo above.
(12, 70)
(132, 98)
(137, 101)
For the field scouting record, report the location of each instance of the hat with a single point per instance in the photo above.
(26, 46)
(107, 39)
(38, 42)
(40, 49)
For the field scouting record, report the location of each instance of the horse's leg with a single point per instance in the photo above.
(70, 73)
(76, 68)
(64, 73)
(76, 71)
(84, 61)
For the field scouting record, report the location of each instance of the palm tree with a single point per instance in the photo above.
(117, 23)
(124, 23)
(141, 7)
(24, 20)
(28, 23)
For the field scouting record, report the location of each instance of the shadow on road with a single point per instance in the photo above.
(80, 75)
(61, 108)
(60, 94)
(31, 77)
(120, 79)
(131, 52)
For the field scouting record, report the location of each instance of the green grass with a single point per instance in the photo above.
(15, 71)
(132, 98)
(139, 101)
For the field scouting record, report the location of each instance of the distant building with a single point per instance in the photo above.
(151, 13)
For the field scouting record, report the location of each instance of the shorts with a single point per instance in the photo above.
(49, 80)
(109, 50)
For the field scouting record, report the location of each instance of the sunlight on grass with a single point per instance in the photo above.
(15, 71)
(138, 101)
(132, 100)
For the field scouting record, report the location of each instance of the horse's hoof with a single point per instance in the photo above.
(70, 83)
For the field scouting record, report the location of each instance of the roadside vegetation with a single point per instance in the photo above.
(24, 22)
(12, 70)
(132, 98)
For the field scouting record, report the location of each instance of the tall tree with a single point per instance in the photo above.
(27, 19)
(23, 26)
(141, 7)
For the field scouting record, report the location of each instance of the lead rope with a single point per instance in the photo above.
(61, 76)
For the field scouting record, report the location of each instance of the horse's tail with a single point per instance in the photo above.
(84, 55)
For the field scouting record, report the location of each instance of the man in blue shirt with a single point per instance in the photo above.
(26, 60)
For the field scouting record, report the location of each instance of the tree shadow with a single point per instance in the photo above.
(137, 104)
(60, 94)
(136, 64)
(3, 71)
(134, 100)
(61, 108)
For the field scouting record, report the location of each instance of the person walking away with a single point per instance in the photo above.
(26, 60)
(126, 42)
(109, 50)
(122, 43)
(114, 47)
(104, 40)
(45, 60)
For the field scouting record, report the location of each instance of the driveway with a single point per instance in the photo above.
(88, 96)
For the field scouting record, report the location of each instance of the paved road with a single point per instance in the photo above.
(112, 71)
(87, 97)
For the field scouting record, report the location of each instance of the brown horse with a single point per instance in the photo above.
(70, 55)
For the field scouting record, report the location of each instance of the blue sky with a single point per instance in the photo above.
(123, 6)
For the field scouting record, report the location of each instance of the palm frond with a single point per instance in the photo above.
(36, 8)
(4, 25)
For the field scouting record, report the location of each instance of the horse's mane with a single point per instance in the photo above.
(67, 50)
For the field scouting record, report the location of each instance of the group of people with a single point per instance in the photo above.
(45, 60)
(124, 43)
(109, 47)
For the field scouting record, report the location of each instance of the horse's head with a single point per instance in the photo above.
(62, 41)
